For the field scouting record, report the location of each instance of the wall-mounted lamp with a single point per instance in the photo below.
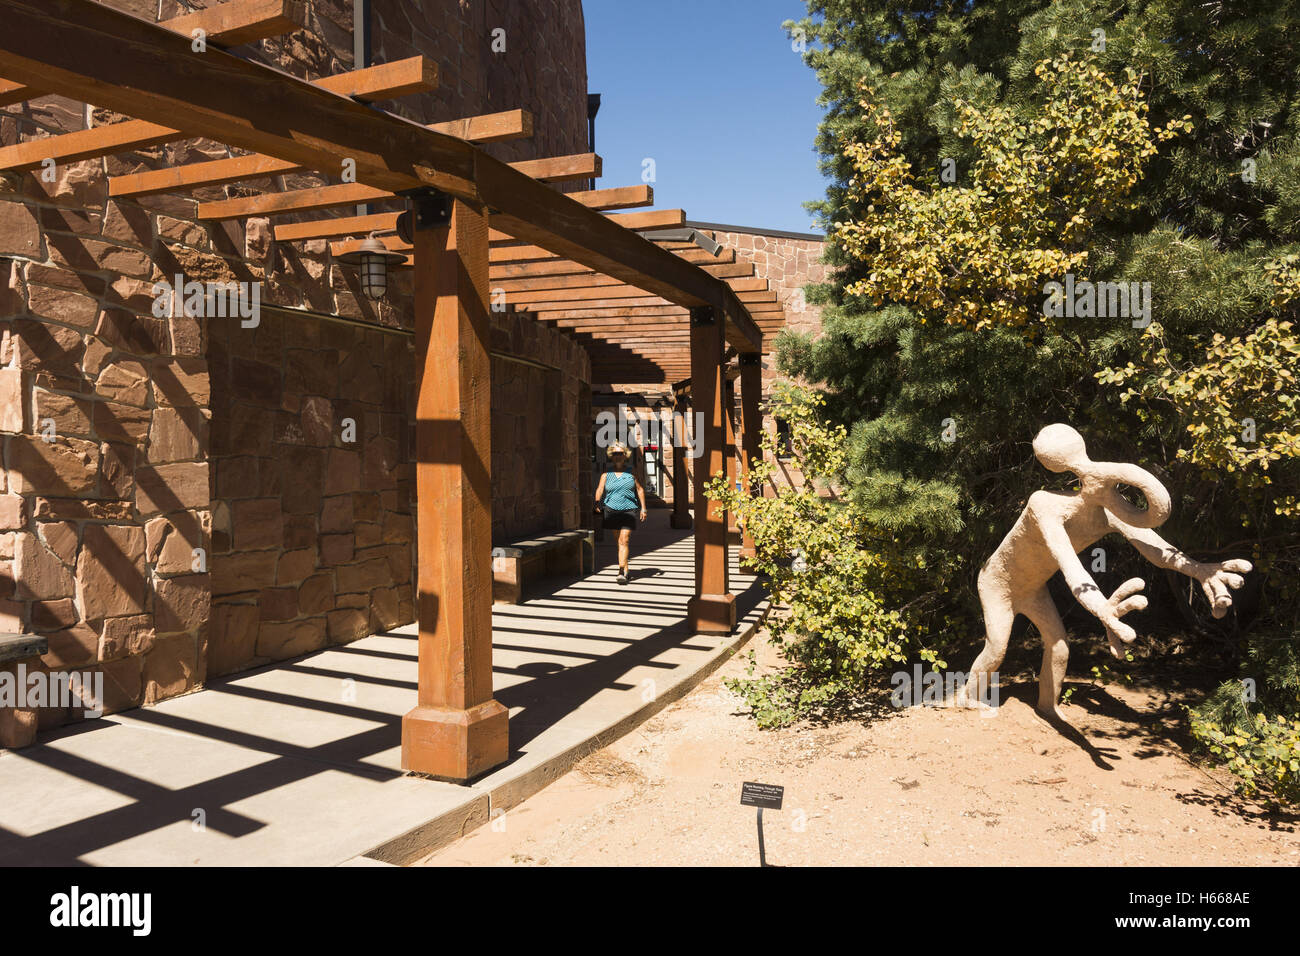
(373, 259)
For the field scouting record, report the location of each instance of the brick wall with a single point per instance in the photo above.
(177, 433)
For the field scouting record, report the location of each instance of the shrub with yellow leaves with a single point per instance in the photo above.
(979, 254)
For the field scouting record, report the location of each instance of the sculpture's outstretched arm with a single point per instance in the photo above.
(1218, 578)
(1085, 590)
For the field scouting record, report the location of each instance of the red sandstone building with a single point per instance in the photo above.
(184, 497)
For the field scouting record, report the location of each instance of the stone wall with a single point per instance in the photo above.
(312, 524)
(541, 407)
(197, 509)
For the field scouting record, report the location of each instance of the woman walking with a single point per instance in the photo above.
(623, 498)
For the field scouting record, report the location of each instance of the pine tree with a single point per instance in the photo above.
(1215, 207)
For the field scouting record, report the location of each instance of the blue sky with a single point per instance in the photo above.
(713, 93)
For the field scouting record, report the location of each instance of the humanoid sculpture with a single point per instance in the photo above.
(1054, 527)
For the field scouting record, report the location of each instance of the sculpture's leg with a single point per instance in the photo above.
(998, 615)
(1040, 609)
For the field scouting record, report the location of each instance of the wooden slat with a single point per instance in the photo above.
(519, 253)
(236, 22)
(540, 283)
(341, 226)
(85, 144)
(348, 194)
(557, 169)
(489, 128)
(614, 312)
(295, 200)
(153, 75)
(618, 197)
(11, 93)
(652, 219)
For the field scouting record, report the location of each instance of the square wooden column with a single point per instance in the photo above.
(751, 428)
(729, 419)
(456, 731)
(713, 608)
(682, 489)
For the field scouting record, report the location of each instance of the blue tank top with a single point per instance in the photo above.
(620, 491)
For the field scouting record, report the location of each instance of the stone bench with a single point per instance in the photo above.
(514, 566)
(19, 647)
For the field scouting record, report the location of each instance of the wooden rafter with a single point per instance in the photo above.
(372, 83)
(153, 75)
(232, 23)
(348, 194)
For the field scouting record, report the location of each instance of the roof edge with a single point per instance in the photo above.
(756, 231)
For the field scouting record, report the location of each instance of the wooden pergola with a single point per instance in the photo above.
(646, 310)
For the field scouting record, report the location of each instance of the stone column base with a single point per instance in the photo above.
(455, 744)
(712, 613)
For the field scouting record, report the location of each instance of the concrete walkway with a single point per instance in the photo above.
(299, 763)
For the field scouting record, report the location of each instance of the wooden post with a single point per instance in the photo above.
(751, 427)
(457, 730)
(713, 608)
(730, 420)
(682, 492)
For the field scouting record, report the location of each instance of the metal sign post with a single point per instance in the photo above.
(763, 796)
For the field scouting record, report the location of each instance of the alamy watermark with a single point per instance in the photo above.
(628, 429)
(922, 688)
(65, 689)
(1085, 299)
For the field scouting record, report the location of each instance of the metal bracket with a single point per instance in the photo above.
(430, 208)
(702, 316)
(749, 358)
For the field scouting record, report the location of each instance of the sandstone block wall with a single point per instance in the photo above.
(541, 472)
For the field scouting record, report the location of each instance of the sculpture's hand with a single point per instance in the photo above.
(1217, 578)
(1125, 599)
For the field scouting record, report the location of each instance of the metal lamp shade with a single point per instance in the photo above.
(372, 259)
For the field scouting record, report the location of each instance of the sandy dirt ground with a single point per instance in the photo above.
(921, 786)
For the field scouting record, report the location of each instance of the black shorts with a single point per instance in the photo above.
(618, 520)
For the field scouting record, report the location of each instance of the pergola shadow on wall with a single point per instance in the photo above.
(479, 228)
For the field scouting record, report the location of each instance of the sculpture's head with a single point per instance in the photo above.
(1060, 448)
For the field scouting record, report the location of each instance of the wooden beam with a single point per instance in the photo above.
(621, 311)
(11, 93)
(339, 226)
(490, 127)
(558, 169)
(295, 200)
(521, 252)
(590, 280)
(386, 221)
(349, 194)
(85, 144)
(236, 22)
(457, 730)
(231, 23)
(153, 75)
(585, 294)
(137, 134)
(653, 219)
